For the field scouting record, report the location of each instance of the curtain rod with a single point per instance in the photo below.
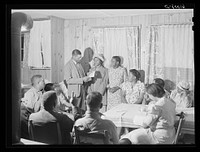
(190, 23)
(41, 19)
(120, 26)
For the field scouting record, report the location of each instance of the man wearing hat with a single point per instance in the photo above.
(100, 79)
(182, 95)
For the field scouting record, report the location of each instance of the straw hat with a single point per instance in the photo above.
(183, 85)
(100, 56)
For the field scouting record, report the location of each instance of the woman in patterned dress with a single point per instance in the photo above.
(117, 75)
(133, 89)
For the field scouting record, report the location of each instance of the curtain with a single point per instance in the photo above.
(170, 53)
(123, 42)
(40, 45)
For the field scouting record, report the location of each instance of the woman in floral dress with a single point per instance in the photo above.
(117, 75)
(133, 89)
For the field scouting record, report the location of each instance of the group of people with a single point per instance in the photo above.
(88, 91)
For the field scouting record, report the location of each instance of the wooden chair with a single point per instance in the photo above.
(142, 75)
(178, 126)
(48, 133)
(83, 137)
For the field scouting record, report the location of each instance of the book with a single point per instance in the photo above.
(92, 74)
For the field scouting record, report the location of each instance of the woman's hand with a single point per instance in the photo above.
(73, 96)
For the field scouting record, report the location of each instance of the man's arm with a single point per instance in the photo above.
(114, 134)
(68, 76)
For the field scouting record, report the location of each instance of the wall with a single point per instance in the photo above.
(27, 73)
(77, 33)
(57, 49)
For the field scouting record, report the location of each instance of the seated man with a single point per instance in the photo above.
(92, 120)
(182, 95)
(32, 97)
(48, 114)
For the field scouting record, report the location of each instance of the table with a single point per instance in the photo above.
(124, 115)
(31, 142)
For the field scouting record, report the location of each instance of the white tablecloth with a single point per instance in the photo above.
(127, 115)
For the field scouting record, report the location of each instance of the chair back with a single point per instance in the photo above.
(142, 75)
(83, 137)
(47, 133)
(178, 126)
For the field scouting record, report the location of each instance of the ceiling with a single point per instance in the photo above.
(94, 13)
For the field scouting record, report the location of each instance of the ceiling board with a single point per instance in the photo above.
(95, 13)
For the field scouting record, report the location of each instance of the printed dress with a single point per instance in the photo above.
(132, 93)
(116, 78)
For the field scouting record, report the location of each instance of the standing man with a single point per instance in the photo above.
(76, 79)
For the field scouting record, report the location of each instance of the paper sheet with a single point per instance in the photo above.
(92, 74)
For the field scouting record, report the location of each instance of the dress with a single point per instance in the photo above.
(132, 93)
(116, 77)
(99, 84)
(158, 124)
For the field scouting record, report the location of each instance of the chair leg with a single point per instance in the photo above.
(181, 139)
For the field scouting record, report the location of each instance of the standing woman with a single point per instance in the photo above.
(158, 124)
(100, 80)
(117, 75)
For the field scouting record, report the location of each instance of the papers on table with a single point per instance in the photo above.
(92, 74)
(138, 120)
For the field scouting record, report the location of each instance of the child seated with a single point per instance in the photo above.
(32, 98)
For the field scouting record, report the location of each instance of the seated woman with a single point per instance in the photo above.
(182, 95)
(160, 82)
(158, 123)
(133, 89)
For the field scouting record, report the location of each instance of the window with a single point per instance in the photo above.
(120, 41)
(22, 47)
(39, 53)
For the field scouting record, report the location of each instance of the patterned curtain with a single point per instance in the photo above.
(123, 42)
(98, 40)
(170, 54)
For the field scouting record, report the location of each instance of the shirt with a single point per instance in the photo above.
(32, 99)
(42, 117)
(93, 122)
(132, 92)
